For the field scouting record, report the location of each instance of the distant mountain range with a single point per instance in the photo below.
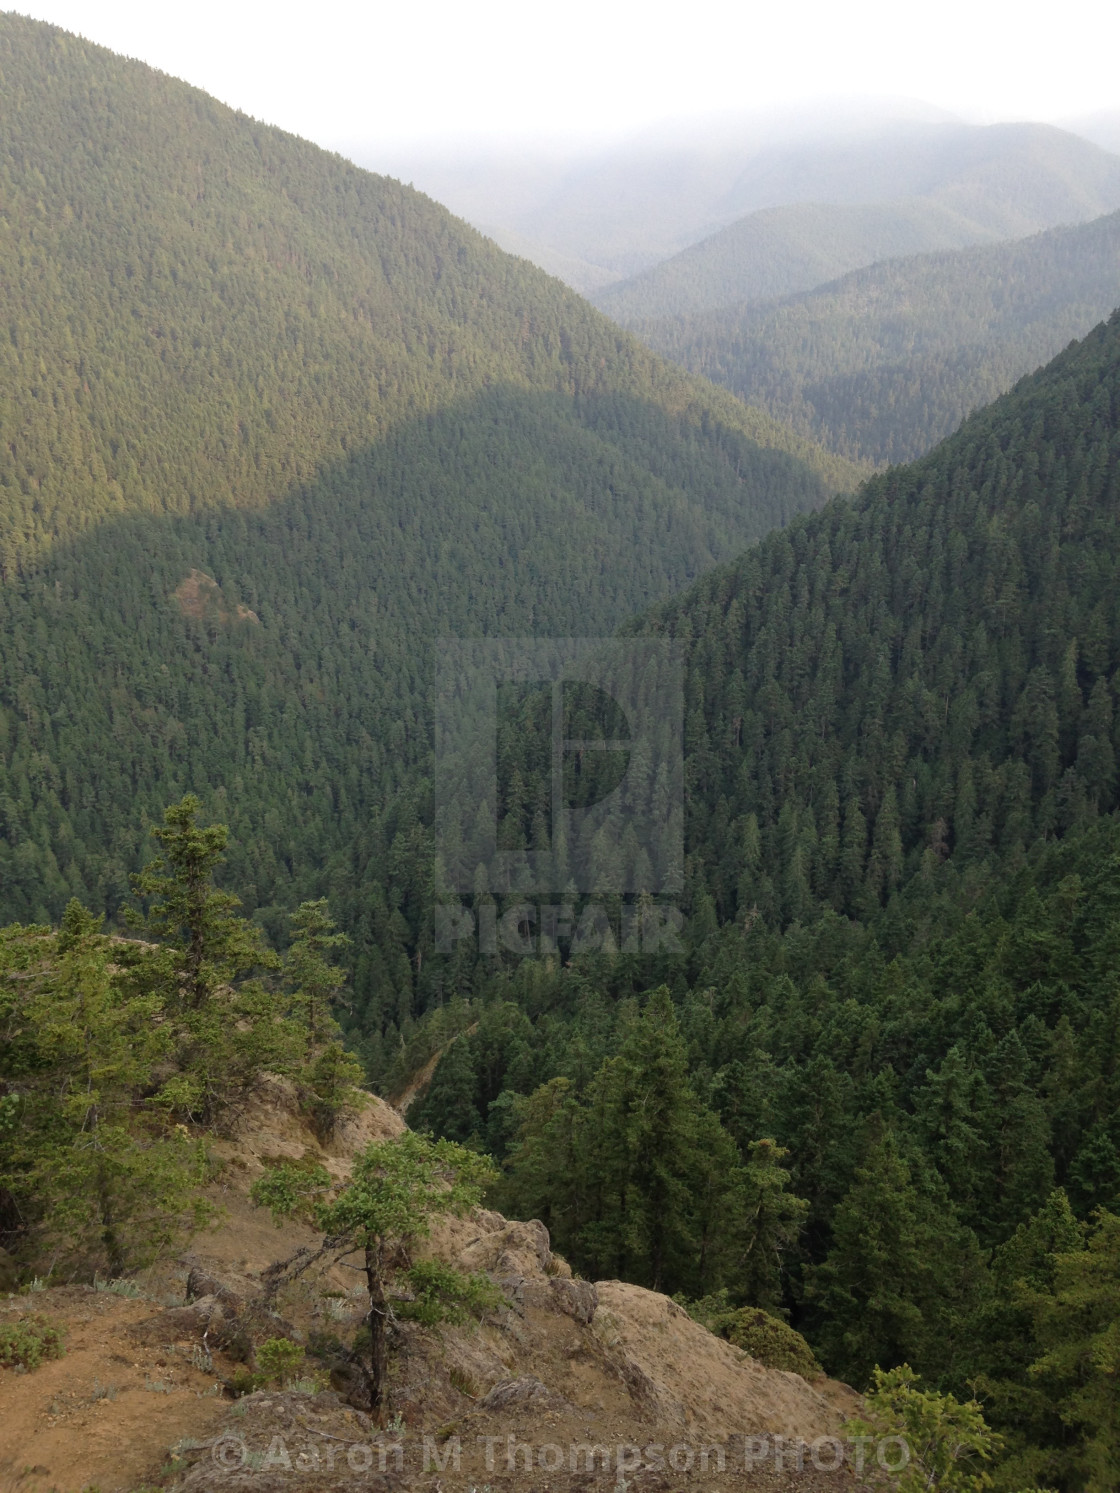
(884, 362)
(976, 187)
(609, 216)
(779, 251)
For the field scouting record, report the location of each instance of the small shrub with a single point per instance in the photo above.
(771, 1341)
(242, 1381)
(442, 1294)
(309, 1384)
(278, 1360)
(126, 1288)
(766, 1338)
(26, 1343)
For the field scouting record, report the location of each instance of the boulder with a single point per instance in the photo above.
(516, 1394)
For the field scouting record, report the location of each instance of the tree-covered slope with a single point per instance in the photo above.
(927, 672)
(780, 251)
(229, 353)
(881, 1073)
(889, 359)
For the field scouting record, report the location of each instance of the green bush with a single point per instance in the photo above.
(948, 1440)
(771, 1341)
(442, 1294)
(278, 1360)
(766, 1338)
(26, 1343)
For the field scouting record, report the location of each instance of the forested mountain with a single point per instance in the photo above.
(779, 251)
(620, 211)
(268, 426)
(879, 1087)
(889, 359)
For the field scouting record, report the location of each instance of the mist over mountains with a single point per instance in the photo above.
(605, 217)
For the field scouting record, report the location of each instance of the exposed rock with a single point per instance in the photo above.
(681, 1375)
(518, 1393)
(512, 1250)
(578, 1298)
(201, 1284)
(512, 1288)
(205, 1317)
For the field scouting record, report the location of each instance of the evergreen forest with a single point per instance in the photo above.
(874, 1089)
(272, 426)
(274, 430)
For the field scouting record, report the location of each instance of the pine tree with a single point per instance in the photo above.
(896, 1283)
(448, 1108)
(772, 1221)
(312, 979)
(205, 944)
(228, 1028)
(104, 1181)
(1078, 1328)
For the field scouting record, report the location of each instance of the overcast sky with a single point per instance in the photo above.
(341, 73)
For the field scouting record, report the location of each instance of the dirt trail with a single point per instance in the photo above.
(423, 1076)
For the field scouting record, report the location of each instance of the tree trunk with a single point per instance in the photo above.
(378, 1324)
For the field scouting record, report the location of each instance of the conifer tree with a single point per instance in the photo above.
(772, 1221)
(898, 1279)
(104, 1181)
(1078, 1328)
(308, 973)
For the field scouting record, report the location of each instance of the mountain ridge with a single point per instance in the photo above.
(887, 360)
(635, 206)
(388, 302)
(231, 353)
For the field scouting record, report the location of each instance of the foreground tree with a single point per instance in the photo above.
(1078, 1325)
(100, 1179)
(947, 1441)
(229, 1025)
(395, 1192)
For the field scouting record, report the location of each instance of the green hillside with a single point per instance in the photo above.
(269, 425)
(781, 251)
(925, 671)
(880, 1087)
(888, 360)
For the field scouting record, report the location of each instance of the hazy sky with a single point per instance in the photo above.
(339, 71)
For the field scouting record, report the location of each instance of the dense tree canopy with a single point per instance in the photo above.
(269, 427)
